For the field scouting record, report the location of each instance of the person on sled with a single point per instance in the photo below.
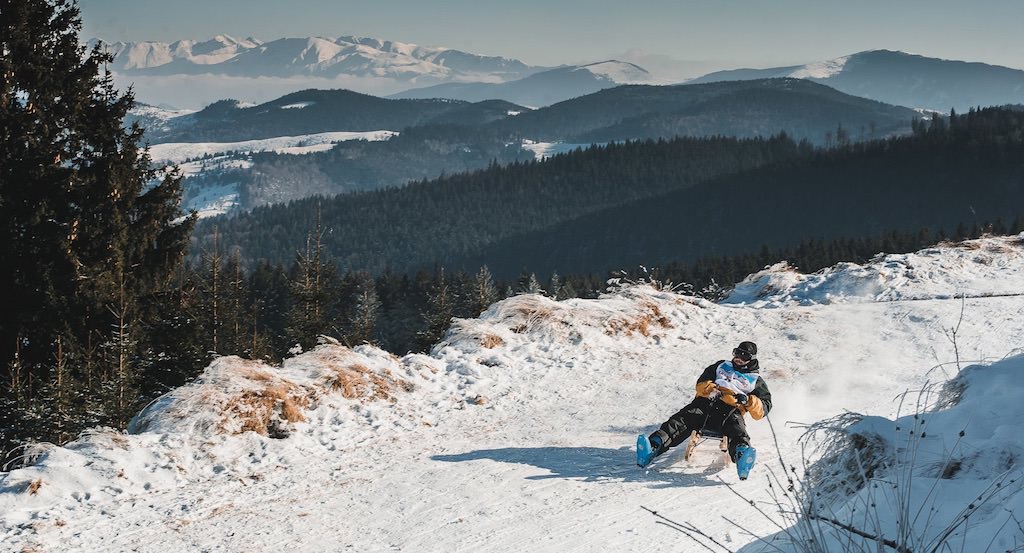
(726, 391)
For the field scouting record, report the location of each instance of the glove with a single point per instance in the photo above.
(741, 398)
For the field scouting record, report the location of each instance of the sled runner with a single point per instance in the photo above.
(699, 437)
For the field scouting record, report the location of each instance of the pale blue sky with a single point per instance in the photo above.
(729, 33)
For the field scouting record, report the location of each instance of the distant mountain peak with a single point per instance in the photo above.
(619, 72)
(901, 78)
(821, 70)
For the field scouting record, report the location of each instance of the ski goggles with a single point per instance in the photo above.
(744, 355)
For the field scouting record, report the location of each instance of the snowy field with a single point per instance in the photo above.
(516, 433)
(177, 152)
(210, 201)
(542, 150)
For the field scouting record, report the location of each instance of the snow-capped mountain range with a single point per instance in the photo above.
(515, 432)
(312, 56)
(902, 79)
(190, 73)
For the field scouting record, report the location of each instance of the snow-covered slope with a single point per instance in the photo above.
(516, 431)
(217, 193)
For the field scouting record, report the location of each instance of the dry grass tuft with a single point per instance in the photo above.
(291, 411)
(256, 409)
(255, 372)
(642, 324)
(491, 341)
(33, 486)
(356, 381)
(657, 316)
(119, 440)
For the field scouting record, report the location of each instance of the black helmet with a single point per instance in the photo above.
(746, 350)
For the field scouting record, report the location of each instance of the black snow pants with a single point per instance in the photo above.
(705, 413)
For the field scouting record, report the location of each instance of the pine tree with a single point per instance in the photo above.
(213, 294)
(484, 291)
(120, 389)
(438, 314)
(363, 322)
(312, 276)
(235, 332)
(528, 284)
(80, 205)
(57, 410)
(554, 284)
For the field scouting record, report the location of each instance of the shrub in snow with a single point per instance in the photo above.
(946, 477)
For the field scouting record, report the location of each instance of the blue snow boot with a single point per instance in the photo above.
(745, 457)
(646, 450)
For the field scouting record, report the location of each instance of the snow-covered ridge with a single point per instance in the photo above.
(982, 267)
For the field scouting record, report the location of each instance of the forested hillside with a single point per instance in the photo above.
(693, 197)
(313, 111)
(802, 109)
(967, 169)
(452, 217)
(418, 153)
(439, 137)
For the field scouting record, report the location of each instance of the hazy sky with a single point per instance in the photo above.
(729, 33)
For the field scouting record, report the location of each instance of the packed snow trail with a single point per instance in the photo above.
(517, 431)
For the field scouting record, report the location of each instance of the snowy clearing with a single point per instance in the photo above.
(177, 152)
(542, 150)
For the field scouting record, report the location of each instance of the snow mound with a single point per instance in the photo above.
(957, 463)
(222, 424)
(241, 417)
(975, 268)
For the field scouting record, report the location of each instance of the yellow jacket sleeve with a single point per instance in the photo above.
(755, 407)
(706, 388)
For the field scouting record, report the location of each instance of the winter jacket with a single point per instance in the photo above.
(722, 381)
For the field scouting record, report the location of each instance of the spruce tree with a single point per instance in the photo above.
(363, 322)
(311, 282)
(437, 316)
(484, 291)
(83, 216)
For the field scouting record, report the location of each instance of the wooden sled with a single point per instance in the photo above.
(697, 438)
